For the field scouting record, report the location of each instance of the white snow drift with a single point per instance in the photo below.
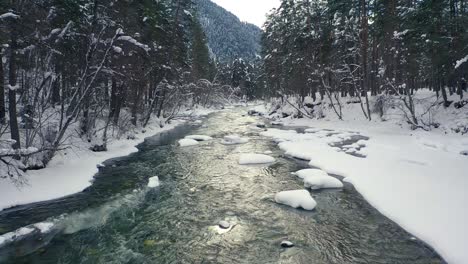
(246, 159)
(296, 199)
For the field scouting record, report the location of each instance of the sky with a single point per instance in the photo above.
(252, 11)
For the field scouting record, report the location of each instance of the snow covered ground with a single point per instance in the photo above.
(72, 170)
(416, 178)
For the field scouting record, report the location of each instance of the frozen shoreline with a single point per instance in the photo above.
(72, 170)
(415, 178)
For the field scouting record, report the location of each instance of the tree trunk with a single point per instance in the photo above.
(14, 130)
(2, 93)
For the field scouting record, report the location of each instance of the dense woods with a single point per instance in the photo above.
(96, 69)
(228, 38)
(383, 49)
(93, 69)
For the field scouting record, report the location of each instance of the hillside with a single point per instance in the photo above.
(228, 37)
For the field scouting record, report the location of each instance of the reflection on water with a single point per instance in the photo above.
(120, 220)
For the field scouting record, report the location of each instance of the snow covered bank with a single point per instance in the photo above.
(416, 178)
(71, 171)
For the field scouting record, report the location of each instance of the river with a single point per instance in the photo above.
(120, 220)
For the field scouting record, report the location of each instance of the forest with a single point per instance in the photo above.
(93, 68)
(376, 52)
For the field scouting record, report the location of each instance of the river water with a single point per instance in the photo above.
(119, 220)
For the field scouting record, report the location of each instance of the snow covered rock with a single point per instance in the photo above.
(199, 137)
(287, 244)
(309, 172)
(224, 224)
(296, 199)
(186, 142)
(318, 179)
(234, 140)
(322, 182)
(153, 182)
(246, 159)
(464, 153)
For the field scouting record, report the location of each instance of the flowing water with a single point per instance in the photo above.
(119, 220)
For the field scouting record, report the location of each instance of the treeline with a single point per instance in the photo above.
(94, 67)
(363, 48)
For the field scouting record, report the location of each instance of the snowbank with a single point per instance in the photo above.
(296, 199)
(186, 142)
(416, 178)
(71, 171)
(234, 140)
(246, 159)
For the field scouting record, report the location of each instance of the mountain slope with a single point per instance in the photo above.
(228, 37)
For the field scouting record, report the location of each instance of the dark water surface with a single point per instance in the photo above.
(119, 220)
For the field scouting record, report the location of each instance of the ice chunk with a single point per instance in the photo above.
(153, 182)
(296, 199)
(246, 159)
(199, 137)
(233, 140)
(186, 142)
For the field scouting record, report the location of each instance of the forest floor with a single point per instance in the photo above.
(416, 178)
(72, 170)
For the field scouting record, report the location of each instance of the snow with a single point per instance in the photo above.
(8, 237)
(318, 179)
(296, 199)
(153, 182)
(199, 137)
(246, 159)
(234, 140)
(134, 42)
(416, 178)
(460, 62)
(44, 227)
(186, 142)
(8, 15)
(71, 171)
(117, 49)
